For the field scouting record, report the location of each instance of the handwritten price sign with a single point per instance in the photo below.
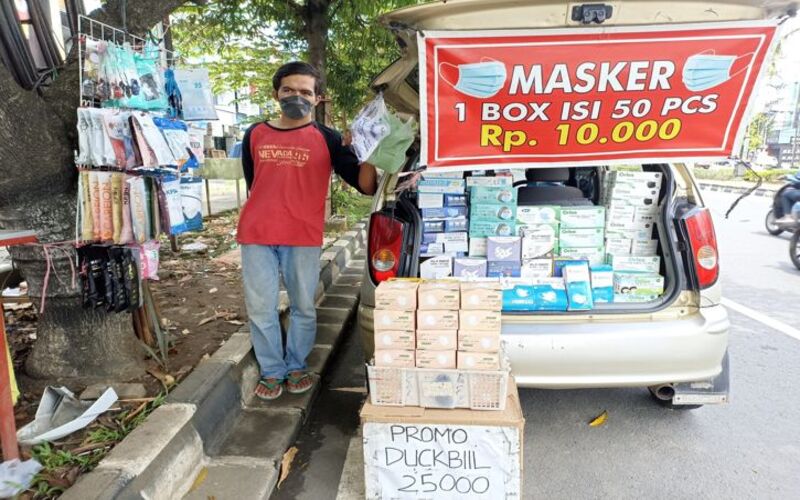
(587, 96)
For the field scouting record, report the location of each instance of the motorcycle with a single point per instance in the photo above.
(776, 212)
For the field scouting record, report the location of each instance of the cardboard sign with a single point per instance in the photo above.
(583, 96)
(441, 461)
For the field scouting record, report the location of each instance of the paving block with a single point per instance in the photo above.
(333, 316)
(235, 349)
(340, 302)
(349, 280)
(351, 484)
(318, 358)
(260, 434)
(289, 402)
(100, 484)
(234, 481)
(123, 390)
(328, 334)
(351, 290)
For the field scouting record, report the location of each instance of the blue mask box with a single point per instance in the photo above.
(444, 212)
(559, 263)
(543, 295)
(455, 200)
(602, 283)
(579, 287)
(456, 225)
(445, 186)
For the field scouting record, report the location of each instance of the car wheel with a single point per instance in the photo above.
(663, 395)
(769, 222)
(794, 249)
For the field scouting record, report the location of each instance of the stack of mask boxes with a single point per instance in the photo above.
(437, 324)
(394, 323)
(493, 207)
(631, 199)
(538, 226)
(442, 201)
(479, 326)
(582, 256)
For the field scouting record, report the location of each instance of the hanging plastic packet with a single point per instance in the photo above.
(196, 138)
(130, 76)
(176, 136)
(117, 179)
(106, 207)
(171, 188)
(173, 94)
(150, 79)
(94, 53)
(126, 233)
(369, 127)
(85, 206)
(84, 156)
(148, 135)
(94, 199)
(192, 202)
(390, 153)
(150, 257)
(138, 208)
(113, 91)
(92, 266)
(136, 257)
(102, 151)
(151, 224)
(130, 274)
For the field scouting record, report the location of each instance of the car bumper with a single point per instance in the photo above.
(580, 354)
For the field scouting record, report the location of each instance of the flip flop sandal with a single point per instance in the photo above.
(294, 384)
(273, 385)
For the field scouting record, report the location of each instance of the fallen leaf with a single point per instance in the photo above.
(185, 331)
(236, 322)
(200, 479)
(599, 420)
(213, 290)
(207, 320)
(286, 464)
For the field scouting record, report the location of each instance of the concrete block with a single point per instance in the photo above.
(100, 484)
(261, 434)
(340, 302)
(289, 402)
(340, 289)
(123, 390)
(234, 349)
(351, 484)
(333, 316)
(235, 481)
(348, 280)
(318, 358)
(328, 334)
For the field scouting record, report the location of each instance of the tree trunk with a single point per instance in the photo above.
(317, 24)
(38, 190)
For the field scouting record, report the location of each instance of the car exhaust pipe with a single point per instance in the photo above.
(663, 392)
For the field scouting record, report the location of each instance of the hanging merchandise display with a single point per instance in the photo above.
(196, 97)
(192, 202)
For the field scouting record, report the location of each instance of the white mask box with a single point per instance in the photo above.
(397, 294)
(437, 340)
(394, 358)
(443, 295)
(395, 339)
(437, 320)
(442, 360)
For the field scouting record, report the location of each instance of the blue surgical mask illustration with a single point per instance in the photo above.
(707, 70)
(483, 79)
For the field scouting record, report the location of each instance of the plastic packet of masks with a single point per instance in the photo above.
(85, 206)
(94, 203)
(84, 156)
(176, 136)
(106, 206)
(369, 127)
(191, 202)
(390, 153)
(150, 259)
(138, 208)
(117, 180)
(149, 138)
(100, 147)
(126, 232)
(170, 186)
(118, 129)
(153, 95)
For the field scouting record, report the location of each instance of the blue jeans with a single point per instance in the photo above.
(299, 267)
(788, 199)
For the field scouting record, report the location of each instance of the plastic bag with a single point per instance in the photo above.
(192, 202)
(84, 138)
(390, 154)
(16, 476)
(106, 206)
(150, 259)
(152, 146)
(126, 232)
(150, 79)
(94, 198)
(173, 94)
(369, 127)
(85, 206)
(171, 187)
(138, 206)
(118, 128)
(117, 180)
(176, 136)
(196, 95)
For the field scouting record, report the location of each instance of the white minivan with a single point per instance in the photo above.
(675, 346)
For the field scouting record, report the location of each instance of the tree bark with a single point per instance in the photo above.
(317, 25)
(38, 191)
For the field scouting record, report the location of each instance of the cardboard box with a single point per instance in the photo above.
(621, 213)
(595, 256)
(634, 176)
(477, 247)
(437, 320)
(449, 186)
(540, 214)
(560, 262)
(539, 241)
(492, 212)
(456, 225)
(618, 246)
(633, 225)
(469, 360)
(444, 212)
(431, 249)
(582, 217)
(483, 229)
(635, 264)
(440, 360)
(430, 200)
(437, 340)
(397, 294)
(489, 194)
(496, 181)
(579, 287)
(637, 287)
(394, 358)
(478, 341)
(395, 339)
(455, 200)
(481, 295)
(432, 226)
(388, 446)
(442, 295)
(390, 319)
(645, 247)
(503, 248)
(540, 295)
(631, 234)
(442, 175)
(481, 320)
(589, 237)
(602, 283)
(645, 219)
(469, 267)
(436, 267)
(497, 269)
(536, 268)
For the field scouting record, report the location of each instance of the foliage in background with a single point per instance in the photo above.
(349, 203)
(758, 129)
(249, 40)
(775, 175)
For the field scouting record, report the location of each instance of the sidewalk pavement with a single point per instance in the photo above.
(212, 438)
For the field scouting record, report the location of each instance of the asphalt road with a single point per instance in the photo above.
(749, 448)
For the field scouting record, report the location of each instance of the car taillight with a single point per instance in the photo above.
(385, 245)
(703, 243)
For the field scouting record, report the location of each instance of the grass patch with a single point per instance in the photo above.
(349, 203)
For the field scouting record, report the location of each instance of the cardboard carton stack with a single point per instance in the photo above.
(631, 199)
(437, 324)
(394, 323)
(479, 326)
(442, 201)
(493, 207)
(538, 226)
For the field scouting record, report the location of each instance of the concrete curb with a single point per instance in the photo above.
(211, 426)
(725, 188)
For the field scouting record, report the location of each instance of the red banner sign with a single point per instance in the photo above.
(587, 96)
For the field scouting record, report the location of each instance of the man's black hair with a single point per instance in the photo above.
(297, 68)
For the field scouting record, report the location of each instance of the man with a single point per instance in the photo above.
(287, 164)
(789, 197)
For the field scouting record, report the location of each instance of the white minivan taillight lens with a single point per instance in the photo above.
(703, 243)
(384, 247)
